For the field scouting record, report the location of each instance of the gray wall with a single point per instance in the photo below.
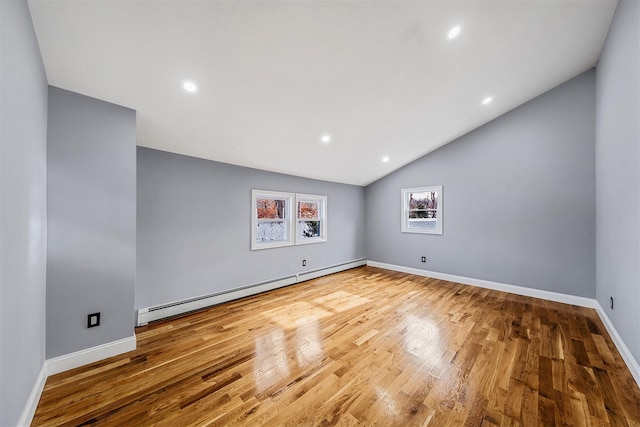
(617, 174)
(194, 227)
(23, 145)
(518, 198)
(91, 221)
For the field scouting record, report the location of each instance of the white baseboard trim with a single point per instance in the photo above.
(90, 355)
(513, 289)
(34, 397)
(624, 351)
(158, 312)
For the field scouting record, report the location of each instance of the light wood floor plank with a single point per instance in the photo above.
(362, 347)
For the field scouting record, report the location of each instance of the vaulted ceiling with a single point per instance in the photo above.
(380, 80)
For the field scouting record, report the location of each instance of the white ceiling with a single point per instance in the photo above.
(381, 77)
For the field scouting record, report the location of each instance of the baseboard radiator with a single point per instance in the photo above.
(158, 312)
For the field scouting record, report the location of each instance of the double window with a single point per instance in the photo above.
(285, 219)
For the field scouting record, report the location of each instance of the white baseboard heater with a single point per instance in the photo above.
(158, 312)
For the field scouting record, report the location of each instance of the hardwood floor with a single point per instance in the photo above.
(362, 347)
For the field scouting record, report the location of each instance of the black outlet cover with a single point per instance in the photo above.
(93, 320)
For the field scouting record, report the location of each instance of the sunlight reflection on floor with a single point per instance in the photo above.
(308, 342)
(270, 364)
(422, 339)
(341, 301)
(288, 315)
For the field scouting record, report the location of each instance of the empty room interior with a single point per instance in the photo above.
(292, 213)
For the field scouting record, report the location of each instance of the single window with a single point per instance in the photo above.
(311, 216)
(271, 219)
(422, 210)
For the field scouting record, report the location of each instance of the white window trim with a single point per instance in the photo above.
(323, 218)
(289, 218)
(404, 193)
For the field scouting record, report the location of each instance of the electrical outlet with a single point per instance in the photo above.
(93, 320)
(304, 262)
(424, 259)
(611, 302)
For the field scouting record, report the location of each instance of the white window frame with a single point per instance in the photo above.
(405, 192)
(288, 220)
(322, 218)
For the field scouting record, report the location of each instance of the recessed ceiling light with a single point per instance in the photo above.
(325, 138)
(190, 86)
(453, 33)
(487, 100)
(385, 159)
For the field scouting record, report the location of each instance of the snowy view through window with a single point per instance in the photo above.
(281, 219)
(271, 220)
(308, 219)
(423, 208)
